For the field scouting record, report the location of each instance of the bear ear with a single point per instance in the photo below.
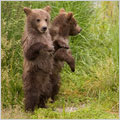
(61, 10)
(69, 16)
(27, 10)
(48, 9)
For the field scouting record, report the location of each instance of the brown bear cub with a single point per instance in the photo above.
(38, 58)
(63, 26)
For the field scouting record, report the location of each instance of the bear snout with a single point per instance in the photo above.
(79, 29)
(44, 28)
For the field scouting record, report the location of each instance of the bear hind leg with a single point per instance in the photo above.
(31, 101)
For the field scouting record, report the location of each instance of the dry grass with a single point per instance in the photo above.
(16, 113)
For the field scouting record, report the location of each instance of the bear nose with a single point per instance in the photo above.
(80, 30)
(44, 28)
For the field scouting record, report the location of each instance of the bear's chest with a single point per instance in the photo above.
(45, 39)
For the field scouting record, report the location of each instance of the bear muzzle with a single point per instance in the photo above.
(44, 28)
(78, 29)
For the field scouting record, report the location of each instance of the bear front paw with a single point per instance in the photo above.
(51, 49)
(63, 45)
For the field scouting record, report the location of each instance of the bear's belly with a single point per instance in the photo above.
(45, 62)
(43, 83)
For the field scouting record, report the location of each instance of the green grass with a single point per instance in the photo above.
(93, 89)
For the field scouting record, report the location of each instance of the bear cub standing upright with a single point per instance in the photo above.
(63, 26)
(38, 58)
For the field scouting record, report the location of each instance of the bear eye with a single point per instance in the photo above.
(75, 24)
(38, 20)
(46, 20)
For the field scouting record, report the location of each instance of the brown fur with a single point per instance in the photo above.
(38, 58)
(62, 27)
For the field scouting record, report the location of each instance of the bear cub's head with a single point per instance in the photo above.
(38, 19)
(66, 23)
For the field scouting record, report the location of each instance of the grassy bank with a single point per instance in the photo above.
(92, 91)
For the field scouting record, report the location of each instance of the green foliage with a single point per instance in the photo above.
(95, 82)
(95, 111)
